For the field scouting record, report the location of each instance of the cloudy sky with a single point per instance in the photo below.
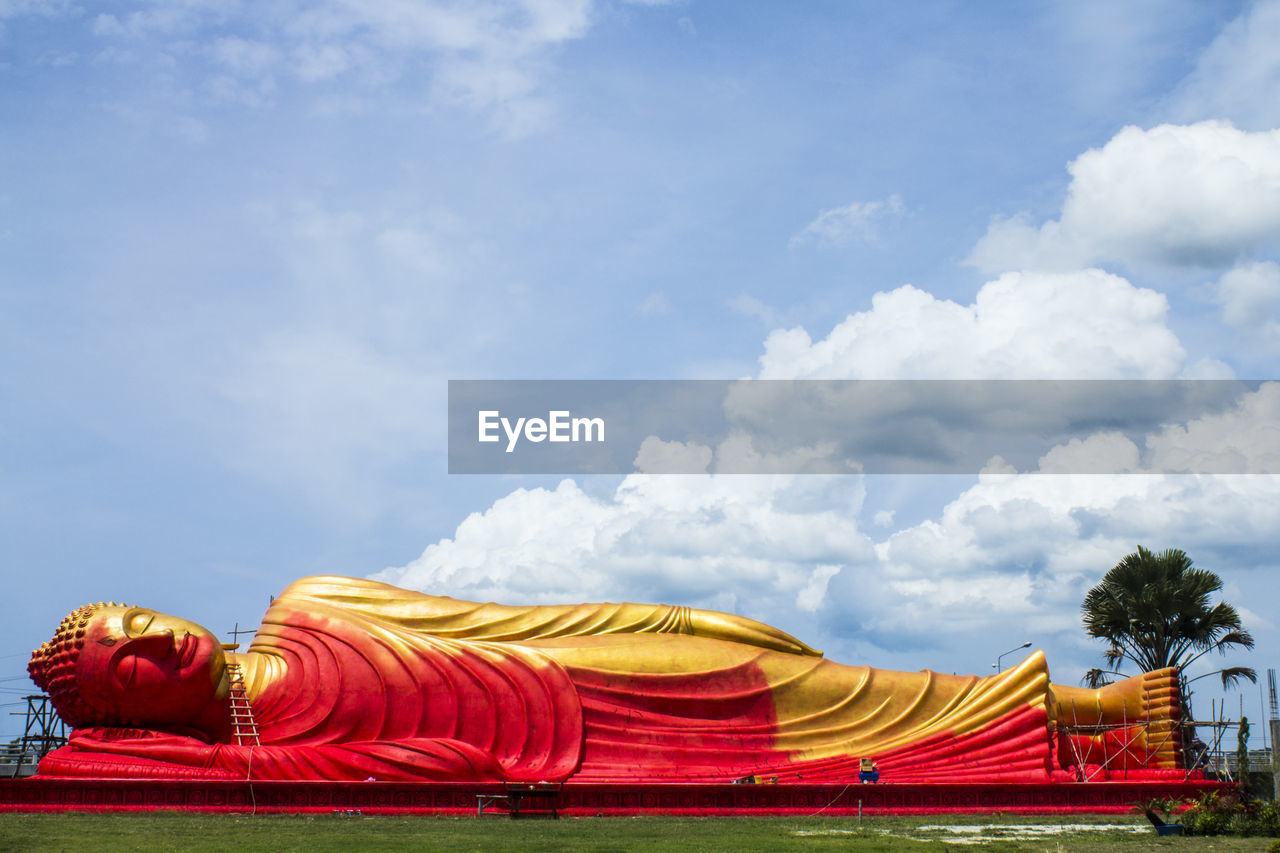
(243, 246)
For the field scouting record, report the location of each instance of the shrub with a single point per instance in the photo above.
(1229, 814)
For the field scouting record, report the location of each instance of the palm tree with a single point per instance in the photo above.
(1153, 610)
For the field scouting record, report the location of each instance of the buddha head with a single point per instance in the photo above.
(115, 665)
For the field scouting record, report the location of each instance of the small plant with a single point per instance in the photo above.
(1159, 811)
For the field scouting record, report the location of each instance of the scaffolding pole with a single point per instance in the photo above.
(44, 731)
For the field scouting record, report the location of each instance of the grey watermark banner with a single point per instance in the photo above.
(864, 426)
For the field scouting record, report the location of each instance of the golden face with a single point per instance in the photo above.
(148, 668)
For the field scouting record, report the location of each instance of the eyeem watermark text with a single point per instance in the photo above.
(558, 426)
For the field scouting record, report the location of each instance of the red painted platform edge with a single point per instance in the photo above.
(459, 798)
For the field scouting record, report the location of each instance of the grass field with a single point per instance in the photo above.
(165, 831)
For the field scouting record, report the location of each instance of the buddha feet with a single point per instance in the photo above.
(1127, 725)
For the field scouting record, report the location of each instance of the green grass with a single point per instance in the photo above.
(159, 832)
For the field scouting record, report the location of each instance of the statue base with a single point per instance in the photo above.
(587, 799)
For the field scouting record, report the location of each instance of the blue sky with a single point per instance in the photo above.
(243, 248)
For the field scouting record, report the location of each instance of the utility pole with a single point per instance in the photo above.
(1275, 735)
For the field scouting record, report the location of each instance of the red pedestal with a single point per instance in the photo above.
(49, 794)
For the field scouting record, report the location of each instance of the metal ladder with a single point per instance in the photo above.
(243, 725)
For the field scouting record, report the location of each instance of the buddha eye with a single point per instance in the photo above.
(138, 622)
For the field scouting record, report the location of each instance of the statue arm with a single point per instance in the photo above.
(453, 618)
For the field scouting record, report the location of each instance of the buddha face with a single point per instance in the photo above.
(151, 668)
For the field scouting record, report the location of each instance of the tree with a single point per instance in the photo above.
(1242, 753)
(1153, 610)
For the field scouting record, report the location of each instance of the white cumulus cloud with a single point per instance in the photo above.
(1243, 440)
(1086, 324)
(734, 543)
(672, 457)
(1205, 194)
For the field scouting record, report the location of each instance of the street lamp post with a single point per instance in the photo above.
(996, 665)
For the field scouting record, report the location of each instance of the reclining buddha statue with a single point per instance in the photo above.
(351, 679)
